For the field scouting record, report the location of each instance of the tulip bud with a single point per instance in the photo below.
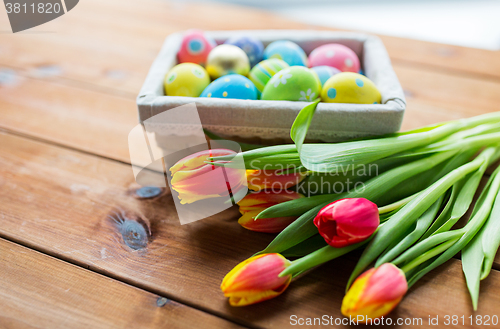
(254, 203)
(196, 180)
(347, 221)
(256, 279)
(375, 293)
(272, 179)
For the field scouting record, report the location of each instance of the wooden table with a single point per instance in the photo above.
(67, 104)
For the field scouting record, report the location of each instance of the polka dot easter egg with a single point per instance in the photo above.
(265, 70)
(288, 51)
(186, 79)
(253, 47)
(296, 83)
(231, 86)
(195, 47)
(227, 59)
(348, 87)
(325, 72)
(335, 55)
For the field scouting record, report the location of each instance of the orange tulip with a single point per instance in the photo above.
(254, 203)
(271, 179)
(375, 293)
(196, 180)
(256, 279)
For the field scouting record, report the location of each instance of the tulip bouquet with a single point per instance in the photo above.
(402, 215)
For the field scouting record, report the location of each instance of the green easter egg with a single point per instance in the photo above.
(264, 71)
(348, 87)
(186, 79)
(296, 83)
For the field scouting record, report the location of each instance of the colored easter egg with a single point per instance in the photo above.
(231, 86)
(227, 59)
(195, 47)
(264, 71)
(252, 46)
(296, 83)
(288, 51)
(325, 72)
(335, 55)
(349, 87)
(186, 79)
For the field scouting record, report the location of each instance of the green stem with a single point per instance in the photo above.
(428, 255)
(395, 205)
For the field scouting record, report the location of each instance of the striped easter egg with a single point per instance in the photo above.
(264, 71)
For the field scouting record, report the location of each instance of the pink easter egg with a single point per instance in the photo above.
(335, 55)
(195, 47)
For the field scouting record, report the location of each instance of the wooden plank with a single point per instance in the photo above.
(61, 202)
(115, 51)
(87, 120)
(38, 291)
(435, 97)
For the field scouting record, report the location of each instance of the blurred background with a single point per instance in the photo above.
(468, 23)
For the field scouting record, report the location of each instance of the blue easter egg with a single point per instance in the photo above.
(252, 46)
(231, 86)
(288, 51)
(325, 72)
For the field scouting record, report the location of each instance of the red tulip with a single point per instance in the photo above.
(254, 203)
(256, 279)
(347, 221)
(196, 180)
(375, 293)
(271, 179)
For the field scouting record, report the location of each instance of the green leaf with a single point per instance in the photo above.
(404, 218)
(421, 226)
(301, 124)
(300, 230)
(305, 247)
(329, 157)
(479, 254)
(469, 231)
(464, 198)
(319, 257)
(261, 152)
(374, 188)
(472, 262)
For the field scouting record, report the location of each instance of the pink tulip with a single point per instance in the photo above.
(347, 221)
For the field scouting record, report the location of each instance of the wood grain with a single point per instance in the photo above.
(112, 46)
(84, 209)
(38, 291)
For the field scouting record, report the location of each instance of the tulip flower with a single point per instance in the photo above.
(347, 221)
(252, 204)
(375, 293)
(196, 180)
(256, 280)
(272, 179)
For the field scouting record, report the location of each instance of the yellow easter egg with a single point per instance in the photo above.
(186, 79)
(348, 87)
